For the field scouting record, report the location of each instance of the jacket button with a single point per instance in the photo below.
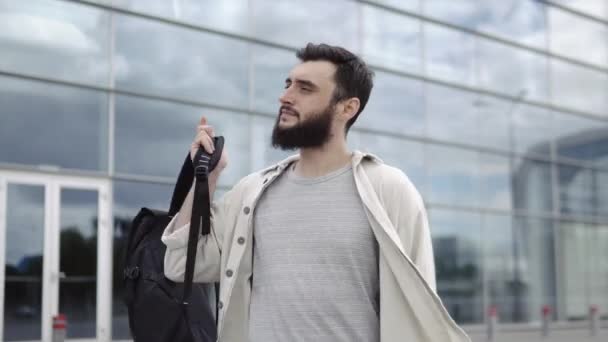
(229, 273)
(241, 240)
(220, 305)
(246, 210)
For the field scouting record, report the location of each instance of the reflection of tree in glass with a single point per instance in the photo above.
(78, 255)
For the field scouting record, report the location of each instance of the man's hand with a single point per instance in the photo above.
(204, 137)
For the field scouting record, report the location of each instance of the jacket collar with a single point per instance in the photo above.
(357, 158)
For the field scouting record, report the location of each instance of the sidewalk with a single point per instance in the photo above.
(574, 335)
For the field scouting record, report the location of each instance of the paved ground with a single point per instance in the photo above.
(535, 336)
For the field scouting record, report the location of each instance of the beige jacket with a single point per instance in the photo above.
(410, 309)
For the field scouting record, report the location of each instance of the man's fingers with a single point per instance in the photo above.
(207, 129)
(203, 120)
(204, 140)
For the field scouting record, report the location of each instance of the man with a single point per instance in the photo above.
(328, 245)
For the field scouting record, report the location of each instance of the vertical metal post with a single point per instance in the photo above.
(594, 320)
(546, 319)
(60, 324)
(492, 323)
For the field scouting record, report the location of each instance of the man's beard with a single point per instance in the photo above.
(312, 132)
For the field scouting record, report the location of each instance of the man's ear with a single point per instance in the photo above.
(351, 107)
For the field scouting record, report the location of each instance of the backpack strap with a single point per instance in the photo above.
(200, 220)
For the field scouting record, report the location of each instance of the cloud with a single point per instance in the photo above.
(296, 23)
(45, 32)
(180, 62)
(577, 37)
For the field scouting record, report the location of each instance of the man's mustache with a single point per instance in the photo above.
(289, 110)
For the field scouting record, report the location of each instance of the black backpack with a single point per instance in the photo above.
(159, 309)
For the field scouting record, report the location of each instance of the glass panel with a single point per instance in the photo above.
(600, 187)
(180, 62)
(228, 15)
(579, 88)
(578, 37)
(296, 23)
(450, 54)
(512, 71)
(54, 125)
(408, 5)
(495, 179)
(577, 190)
(24, 259)
(598, 254)
(406, 155)
(391, 40)
(443, 106)
(534, 284)
(453, 176)
(396, 105)
(521, 21)
(575, 272)
(55, 39)
(129, 197)
(270, 69)
(532, 130)
(598, 8)
(499, 267)
(78, 261)
(154, 137)
(532, 186)
(494, 118)
(458, 262)
(581, 138)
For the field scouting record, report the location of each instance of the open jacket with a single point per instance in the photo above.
(410, 310)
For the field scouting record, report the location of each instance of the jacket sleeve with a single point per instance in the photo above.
(409, 216)
(208, 254)
(421, 251)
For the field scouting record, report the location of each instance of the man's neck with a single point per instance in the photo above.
(317, 162)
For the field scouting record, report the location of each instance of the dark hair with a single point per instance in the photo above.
(353, 77)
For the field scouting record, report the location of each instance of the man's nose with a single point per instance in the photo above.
(286, 97)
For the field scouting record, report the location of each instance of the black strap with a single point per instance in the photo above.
(200, 223)
(182, 187)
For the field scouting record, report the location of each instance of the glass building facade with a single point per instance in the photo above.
(497, 111)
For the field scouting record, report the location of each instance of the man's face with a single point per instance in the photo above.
(305, 118)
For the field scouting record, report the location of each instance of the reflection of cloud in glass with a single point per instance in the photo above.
(230, 15)
(51, 124)
(55, 39)
(79, 211)
(270, 69)
(396, 105)
(24, 222)
(522, 21)
(451, 114)
(578, 37)
(579, 88)
(450, 55)
(453, 176)
(296, 23)
(391, 40)
(510, 71)
(153, 137)
(598, 8)
(406, 155)
(180, 62)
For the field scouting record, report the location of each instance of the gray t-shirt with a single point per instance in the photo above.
(315, 265)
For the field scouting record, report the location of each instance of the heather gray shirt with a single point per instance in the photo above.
(315, 266)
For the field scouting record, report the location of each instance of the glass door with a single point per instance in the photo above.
(55, 244)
